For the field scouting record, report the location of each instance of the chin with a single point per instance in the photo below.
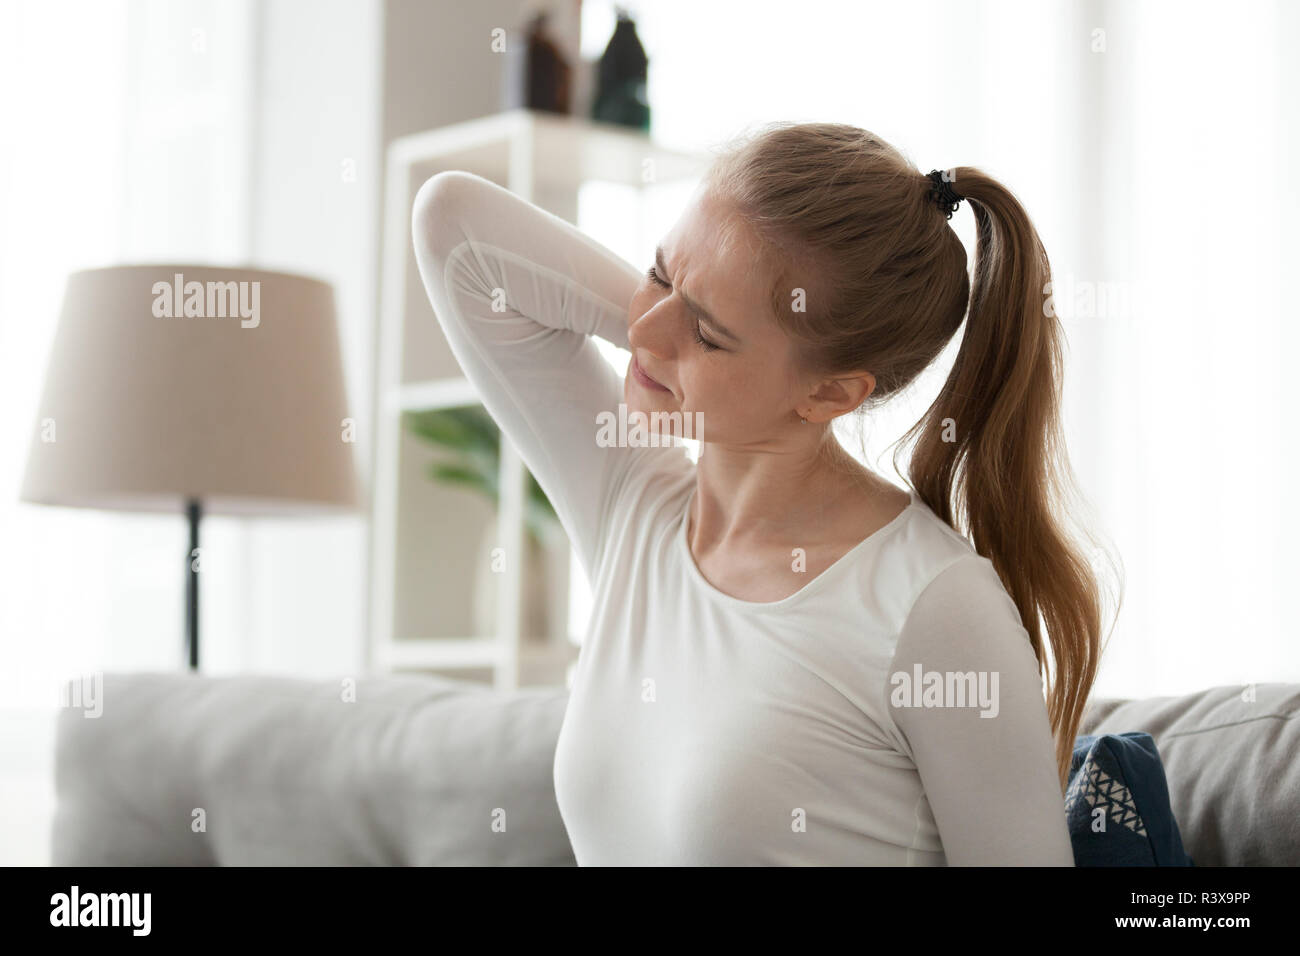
(640, 401)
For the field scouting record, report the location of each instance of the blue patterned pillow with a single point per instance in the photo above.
(1117, 804)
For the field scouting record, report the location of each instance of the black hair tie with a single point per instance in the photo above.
(941, 193)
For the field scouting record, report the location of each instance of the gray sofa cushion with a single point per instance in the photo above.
(413, 773)
(1232, 767)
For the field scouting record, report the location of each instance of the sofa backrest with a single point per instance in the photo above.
(181, 769)
(1230, 756)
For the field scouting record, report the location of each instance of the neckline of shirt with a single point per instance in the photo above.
(872, 540)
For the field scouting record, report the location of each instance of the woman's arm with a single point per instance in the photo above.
(991, 782)
(517, 292)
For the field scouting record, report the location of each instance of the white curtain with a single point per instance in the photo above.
(125, 140)
(122, 137)
(154, 131)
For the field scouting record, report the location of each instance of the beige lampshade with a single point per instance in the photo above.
(147, 403)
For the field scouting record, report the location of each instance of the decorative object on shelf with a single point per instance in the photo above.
(621, 96)
(540, 64)
(550, 75)
(194, 389)
(474, 441)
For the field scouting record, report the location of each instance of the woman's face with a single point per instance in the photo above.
(741, 378)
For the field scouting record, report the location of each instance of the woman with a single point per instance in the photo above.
(791, 660)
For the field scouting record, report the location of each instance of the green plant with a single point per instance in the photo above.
(474, 441)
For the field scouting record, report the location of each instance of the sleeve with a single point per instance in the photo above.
(518, 291)
(991, 781)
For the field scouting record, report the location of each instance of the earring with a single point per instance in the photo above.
(803, 421)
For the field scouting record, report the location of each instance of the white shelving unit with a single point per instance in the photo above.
(545, 159)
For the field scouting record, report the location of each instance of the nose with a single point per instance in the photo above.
(651, 331)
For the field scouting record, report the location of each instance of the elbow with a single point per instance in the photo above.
(436, 213)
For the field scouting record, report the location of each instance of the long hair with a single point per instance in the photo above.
(871, 276)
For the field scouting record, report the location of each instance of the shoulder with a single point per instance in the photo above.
(947, 601)
(656, 476)
(917, 550)
(962, 628)
(963, 621)
(646, 500)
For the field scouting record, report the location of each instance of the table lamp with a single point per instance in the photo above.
(194, 389)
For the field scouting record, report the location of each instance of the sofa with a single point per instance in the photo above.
(189, 770)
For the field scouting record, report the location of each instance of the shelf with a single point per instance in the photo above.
(469, 653)
(566, 151)
(447, 653)
(425, 396)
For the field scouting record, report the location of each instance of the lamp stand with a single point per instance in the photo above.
(194, 510)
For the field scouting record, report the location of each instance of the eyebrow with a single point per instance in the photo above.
(691, 304)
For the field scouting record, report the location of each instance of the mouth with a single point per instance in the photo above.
(645, 380)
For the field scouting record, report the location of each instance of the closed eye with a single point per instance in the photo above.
(653, 274)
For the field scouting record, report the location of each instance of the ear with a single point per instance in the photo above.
(837, 396)
(860, 385)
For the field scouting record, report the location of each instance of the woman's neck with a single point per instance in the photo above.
(752, 499)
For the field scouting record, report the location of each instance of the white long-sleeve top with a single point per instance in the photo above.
(706, 730)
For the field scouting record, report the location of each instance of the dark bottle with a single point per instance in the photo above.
(549, 74)
(621, 83)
